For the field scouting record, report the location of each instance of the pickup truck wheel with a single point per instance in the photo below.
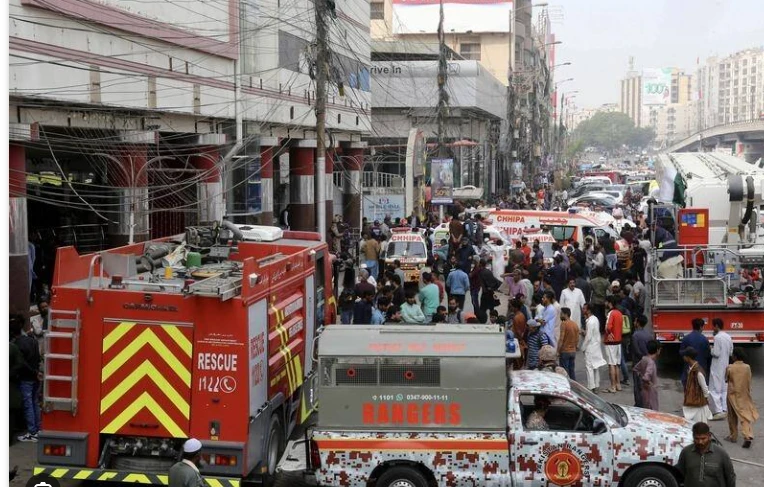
(402, 477)
(651, 476)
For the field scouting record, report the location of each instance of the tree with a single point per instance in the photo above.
(611, 131)
(575, 147)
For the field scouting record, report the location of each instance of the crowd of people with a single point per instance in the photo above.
(585, 302)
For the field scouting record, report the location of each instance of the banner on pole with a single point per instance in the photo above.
(442, 177)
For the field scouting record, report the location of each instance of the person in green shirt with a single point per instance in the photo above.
(703, 463)
(600, 287)
(411, 312)
(429, 297)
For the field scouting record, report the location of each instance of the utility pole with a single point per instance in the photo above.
(442, 95)
(322, 62)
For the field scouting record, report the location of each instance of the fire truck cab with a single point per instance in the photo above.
(421, 406)
(208, 335)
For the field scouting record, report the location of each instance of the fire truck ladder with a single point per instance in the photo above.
(70, 320)
(217, 286)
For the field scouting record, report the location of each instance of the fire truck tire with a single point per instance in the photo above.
(402, 476)
(275, 446)
(650, 476)
(139, 464)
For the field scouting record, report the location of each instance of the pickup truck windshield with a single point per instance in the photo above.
(598, 403)
(406, 249)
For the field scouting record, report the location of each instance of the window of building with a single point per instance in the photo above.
(377, 11)
(470, 50)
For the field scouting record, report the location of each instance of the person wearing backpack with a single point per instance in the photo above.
(612, 342)
(626, 330)
(469, 228)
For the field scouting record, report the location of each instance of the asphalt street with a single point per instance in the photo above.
(749, 463)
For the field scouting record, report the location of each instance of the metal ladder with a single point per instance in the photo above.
(71, 321)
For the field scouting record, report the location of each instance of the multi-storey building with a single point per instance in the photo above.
(131, 120)
(731, 88)
(631, 97)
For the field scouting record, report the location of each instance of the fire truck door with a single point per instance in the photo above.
(146, 378)
(310, 322)
(259, 407)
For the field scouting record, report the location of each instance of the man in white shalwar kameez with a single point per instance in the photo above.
(498, 258)
(592, 347)
(573, 298)
(720, 353)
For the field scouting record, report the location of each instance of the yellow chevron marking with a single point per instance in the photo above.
(146, 369)
(144, 401)
(234, 483)
(59, 473)
(147, 338)
(163, 479)
(283, 349)
(298, 370)
(137, 477)
(179, 338)
(117, 333)
(83, 474)
(288, 367)
(107, 475)
(214, 482)
(37, 471)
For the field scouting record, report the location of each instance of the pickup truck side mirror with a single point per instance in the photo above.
(599, 427)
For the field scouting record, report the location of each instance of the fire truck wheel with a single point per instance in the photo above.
(275, 444)
(402, 476)
(650, 476)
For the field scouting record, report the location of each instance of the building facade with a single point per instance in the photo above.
(731, 88)
(491, 49)
(132, 121)
(631, 97)
(405, 95)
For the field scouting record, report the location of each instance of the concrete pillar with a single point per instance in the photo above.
(329, 185)
(209, 190)
(351, 198)
(129, 175)
(268, 148)
(302, 214)
(19, 279)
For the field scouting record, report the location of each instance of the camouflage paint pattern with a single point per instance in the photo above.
(538, 458)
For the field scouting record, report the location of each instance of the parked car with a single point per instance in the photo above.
(594, 199)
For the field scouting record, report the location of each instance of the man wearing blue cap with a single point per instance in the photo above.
(185, 473)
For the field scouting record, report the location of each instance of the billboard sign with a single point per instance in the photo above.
(459, 16)
(442, 181)
(377, 207)
(656, 86)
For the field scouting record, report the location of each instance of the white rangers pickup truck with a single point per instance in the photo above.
(415, 406)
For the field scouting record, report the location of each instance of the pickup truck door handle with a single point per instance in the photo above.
(530, 442)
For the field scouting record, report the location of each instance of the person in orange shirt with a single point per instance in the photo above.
(568, 344)
(612, 341)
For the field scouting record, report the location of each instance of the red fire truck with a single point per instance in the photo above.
(710, 263)
(206, 335)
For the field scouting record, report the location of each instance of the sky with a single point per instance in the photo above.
(598, 36)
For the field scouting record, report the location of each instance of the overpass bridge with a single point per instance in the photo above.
(744, 139)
